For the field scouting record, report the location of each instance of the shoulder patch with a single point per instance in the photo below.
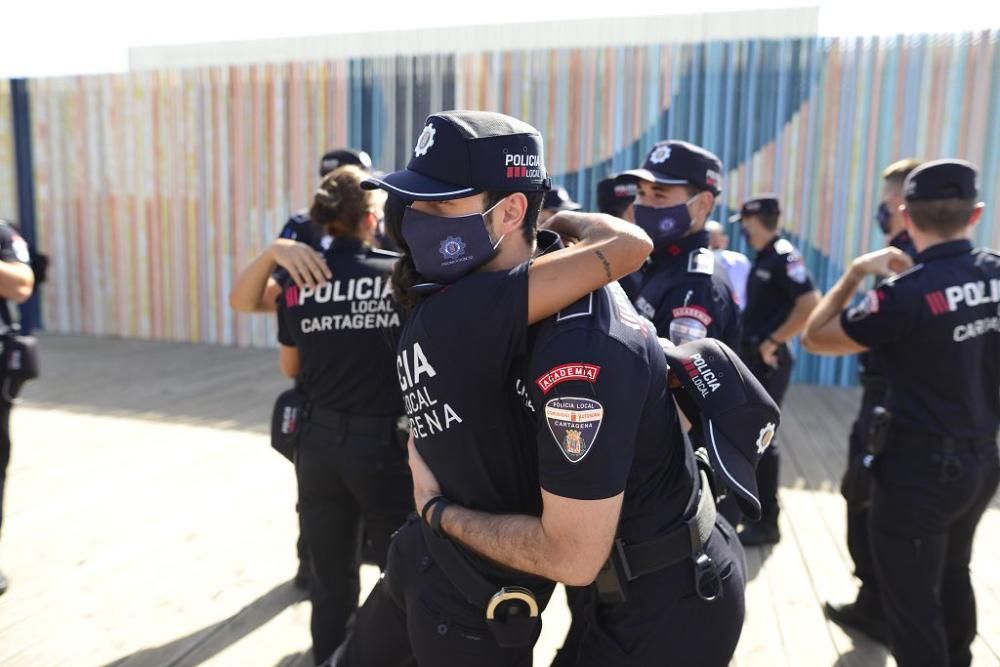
(868, 305)
(891, 280)
(784, 247)
(582, 308)
(573, 372)
(574, 424)
(701, 260)
(796, 269)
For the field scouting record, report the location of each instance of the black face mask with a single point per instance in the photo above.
(444, 249)
(882, 217)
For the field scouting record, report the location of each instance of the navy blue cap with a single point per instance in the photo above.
(341, 156)
(761, 205)
(614, 194)
(558, 199)
(738, 417)
(941, 179)
(462, 153)
(679, 163)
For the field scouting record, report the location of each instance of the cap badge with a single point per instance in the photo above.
(452, 247)
(660, 155)
(425, 141)
(765, 437)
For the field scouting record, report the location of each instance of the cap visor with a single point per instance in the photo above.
(735, 471)
(633, 175)
(736, 219)
(567, 206)
(415, 186)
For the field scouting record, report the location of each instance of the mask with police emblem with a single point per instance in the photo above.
(664, 225)
(446, 248)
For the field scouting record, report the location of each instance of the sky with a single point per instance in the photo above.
(60, 37)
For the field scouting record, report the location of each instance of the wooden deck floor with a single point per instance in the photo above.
(148, 522)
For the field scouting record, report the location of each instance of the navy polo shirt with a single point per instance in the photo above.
(937, 330)
(687, 295)
(604, 421)
(455, 367)
(778, 277)
(346, 332)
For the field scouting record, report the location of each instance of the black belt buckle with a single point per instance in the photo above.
(512, 617)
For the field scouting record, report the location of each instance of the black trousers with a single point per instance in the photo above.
(346, 477)
(663, 621)
(775, 381)
(856, 489)
(4, 449)
(926, 504)
(415, 615)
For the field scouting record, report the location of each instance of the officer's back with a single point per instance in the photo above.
(346, 330)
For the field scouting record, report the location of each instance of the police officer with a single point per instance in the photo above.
(300, 244)
(616, 474)
(16, 284)
(338, 341)
(684, 292)
(556, 199)
(865, 612)
(474, 189)
(937, 330)
(780, 296)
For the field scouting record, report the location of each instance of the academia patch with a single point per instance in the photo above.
(574, 423)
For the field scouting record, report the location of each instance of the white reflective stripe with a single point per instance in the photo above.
(420, 194)
(722, 464)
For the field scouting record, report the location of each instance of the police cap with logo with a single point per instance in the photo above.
(613, 194)
(737, 417)
(679, 163)
(462, 153)
(341, 156)
(761, 205)
(941, 179)
(558, 199)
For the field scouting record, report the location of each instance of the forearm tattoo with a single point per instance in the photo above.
(604, 260)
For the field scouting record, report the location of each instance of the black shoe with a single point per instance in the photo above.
(302, 576)
(3, 583)
(849, 615)
(760, 533)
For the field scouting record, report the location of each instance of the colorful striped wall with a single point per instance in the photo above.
(153, 188)
(8, 175)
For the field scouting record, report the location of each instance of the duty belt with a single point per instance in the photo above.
(631, 561)
(359, 424)
(511, 612)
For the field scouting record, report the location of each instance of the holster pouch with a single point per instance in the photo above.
(290, 411)
(512, 617)
(512, 613)
(611, 583)
(18, 364)
(878, 434)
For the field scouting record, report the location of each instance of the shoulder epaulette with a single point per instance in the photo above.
(701, 260)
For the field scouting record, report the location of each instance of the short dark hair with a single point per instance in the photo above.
(896, 173)
(943, 217)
